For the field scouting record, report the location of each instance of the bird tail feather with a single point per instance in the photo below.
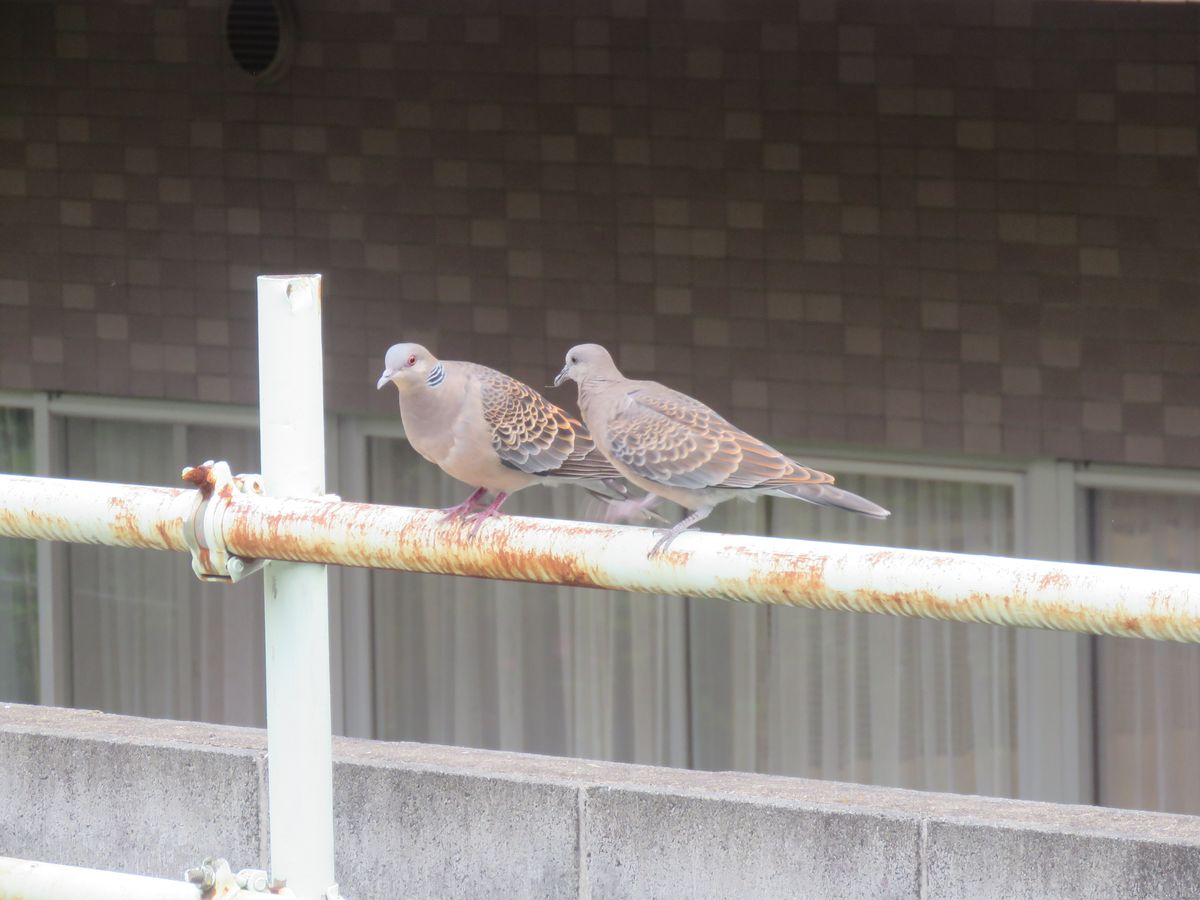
(834, 497)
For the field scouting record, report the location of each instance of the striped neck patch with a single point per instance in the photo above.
(437, 376)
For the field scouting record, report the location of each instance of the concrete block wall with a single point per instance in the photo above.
(413, 820)
(949, 226)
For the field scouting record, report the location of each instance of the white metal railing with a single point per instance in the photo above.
(231, 525)
(25, 879)
(234, 525)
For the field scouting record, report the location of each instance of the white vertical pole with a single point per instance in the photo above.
(299, 742)
(1053, 671)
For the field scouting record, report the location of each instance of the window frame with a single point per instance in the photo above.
(50, 613)
(1086, 477)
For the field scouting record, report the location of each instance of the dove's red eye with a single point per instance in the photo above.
(412, 361)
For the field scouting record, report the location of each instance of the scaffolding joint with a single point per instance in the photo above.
(217, 881)
(215, 486)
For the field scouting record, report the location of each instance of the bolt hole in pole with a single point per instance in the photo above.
(299, 741)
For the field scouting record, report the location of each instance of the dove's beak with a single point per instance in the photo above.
(385, 378)
(561, 377)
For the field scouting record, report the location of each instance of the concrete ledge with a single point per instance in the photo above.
(984, 860)
(641, 843)
(133, 795)
(427, 833)
(414, 820)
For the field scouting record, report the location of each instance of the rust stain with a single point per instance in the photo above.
(986, 608)
(125, 524)
(202, 477)
(422, 543)
(1054, 579)
(1131, 625)
(165, 532)
(278, 536)
(34, 523)
(796, 580)
(1159, 625)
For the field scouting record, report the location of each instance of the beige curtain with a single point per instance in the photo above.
(571, 672)
(1147, 692)
(856, 697)
(145, 637)
(704, 683)
(18, 574)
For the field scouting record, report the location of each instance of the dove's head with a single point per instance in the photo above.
(587, 361)
(408, 365)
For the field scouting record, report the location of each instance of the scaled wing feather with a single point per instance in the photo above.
(533, 435)
(674, 440)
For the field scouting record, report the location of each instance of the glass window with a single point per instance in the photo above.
(18, 574)
(1147, 692)
(145, 636)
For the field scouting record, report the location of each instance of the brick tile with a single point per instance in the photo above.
(982, 240)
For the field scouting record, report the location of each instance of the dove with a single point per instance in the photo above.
(675, 447)
(489, 430)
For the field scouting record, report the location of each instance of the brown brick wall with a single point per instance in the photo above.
(943, 225)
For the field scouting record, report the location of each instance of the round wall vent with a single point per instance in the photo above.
(261, 35)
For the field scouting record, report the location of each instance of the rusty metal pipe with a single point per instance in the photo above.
(959, 587)
(30, 880)
(27, 879)
(94, 512)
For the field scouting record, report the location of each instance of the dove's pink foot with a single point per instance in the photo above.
(493, 509)
(466, 508)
